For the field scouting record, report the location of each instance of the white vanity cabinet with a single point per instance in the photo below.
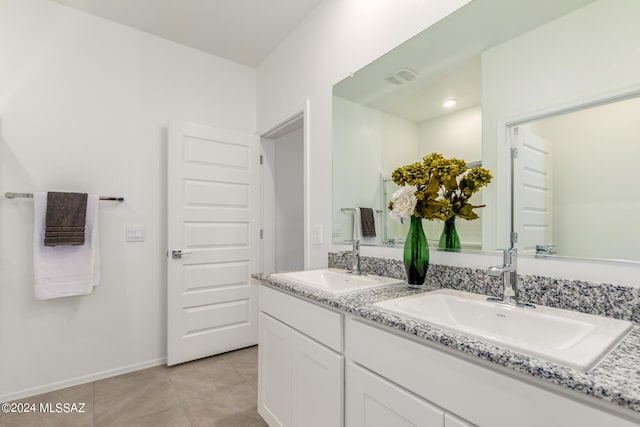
(301, 368)
(394, 378)
(320, 368)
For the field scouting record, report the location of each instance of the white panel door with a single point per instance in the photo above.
(375, 402)
(532, 190)
(212, 215)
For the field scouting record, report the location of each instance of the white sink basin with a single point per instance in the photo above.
(335, 281)
(568, 338)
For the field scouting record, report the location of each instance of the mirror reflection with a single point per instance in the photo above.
(574, 190)
(533, 60)
(423, 97)
(370, 145)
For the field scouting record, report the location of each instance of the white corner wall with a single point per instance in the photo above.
(85, 104)
(337, 38)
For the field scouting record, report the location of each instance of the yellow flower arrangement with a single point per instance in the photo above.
(441, 188)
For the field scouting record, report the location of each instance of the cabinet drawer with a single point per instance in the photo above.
(324, 326)
(375, 402)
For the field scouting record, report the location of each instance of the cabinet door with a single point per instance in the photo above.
(451, 421)
(317, 384)
(375, 402)
(274, 371)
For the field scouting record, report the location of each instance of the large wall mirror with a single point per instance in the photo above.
(510, 65)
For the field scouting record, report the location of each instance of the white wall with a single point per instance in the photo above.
(400, 143)
(368, 143)
(289, 201)
(337, 38)
(457, 135)
(84, 105)
(595, 207)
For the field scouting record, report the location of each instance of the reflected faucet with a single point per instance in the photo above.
(543, 250)
(355, 257)
(509, 274)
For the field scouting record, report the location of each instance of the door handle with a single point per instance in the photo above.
(177, 254)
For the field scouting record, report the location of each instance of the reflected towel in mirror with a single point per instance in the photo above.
(358, 230)
(367, 222)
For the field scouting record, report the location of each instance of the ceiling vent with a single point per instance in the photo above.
(402, 76)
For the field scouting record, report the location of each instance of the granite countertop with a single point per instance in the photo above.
(616, 379)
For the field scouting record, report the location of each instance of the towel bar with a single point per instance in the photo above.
(353, 210)
(30, 196)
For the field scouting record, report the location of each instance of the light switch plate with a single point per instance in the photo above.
(134, 233)
(317, 234)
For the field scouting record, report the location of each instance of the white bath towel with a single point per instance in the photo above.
(62, 271)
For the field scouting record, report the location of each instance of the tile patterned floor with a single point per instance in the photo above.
(218, 391)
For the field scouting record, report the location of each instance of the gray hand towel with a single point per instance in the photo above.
(65, 218)
(367, 222)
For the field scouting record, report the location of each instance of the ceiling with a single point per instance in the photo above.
(243, 31)
(462, 84)
(446, 58)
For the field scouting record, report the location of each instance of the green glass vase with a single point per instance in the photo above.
(416, 254)
(449, 239)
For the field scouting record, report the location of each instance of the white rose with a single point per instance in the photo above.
(404, 202)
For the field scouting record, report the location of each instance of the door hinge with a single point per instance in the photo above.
(514, 237)
(261, 159)
(261, 234)
(514, 153)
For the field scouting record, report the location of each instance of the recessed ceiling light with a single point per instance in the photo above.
(449, 103)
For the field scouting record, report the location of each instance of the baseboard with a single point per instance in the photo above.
(33, 391)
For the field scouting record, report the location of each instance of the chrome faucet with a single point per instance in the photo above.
(355, 257)
(509, 274)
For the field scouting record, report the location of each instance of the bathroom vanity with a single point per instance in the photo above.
(338, 360)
